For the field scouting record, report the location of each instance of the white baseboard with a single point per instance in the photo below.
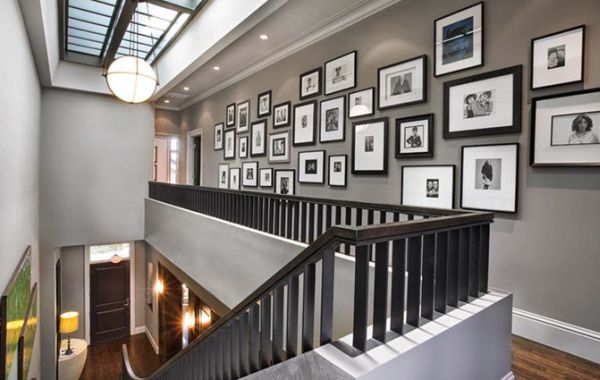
(509, 376)
(152, 341)
(138, 330)
(563, 336)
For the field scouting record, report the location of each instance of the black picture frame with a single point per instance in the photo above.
(256, 173)
(515, 127)
(220, 168)
(342, 120)
(384, 170)
(315, 120)
(373, 99)
(239, 177)
(228, 123)
(424, 83)
(319, 72)
(227, 132)
(274, 158)
(217, 127)
(329, 161)
(293, 172)
(240, 105)
(264, 138)
(301, 170)
(453, 196)
(430, 117)
(260, 182)
(245, 155)
(261, 95)
(286, 124)
(354, 72)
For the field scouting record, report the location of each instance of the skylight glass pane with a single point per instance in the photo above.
(177, 25)
(87, 35)
(141, 39)
(93, 6)
(84, 43)
(84, 50)
(157, 11)
(154, 22)
(87, 26)
(132, 45)
(89, 17)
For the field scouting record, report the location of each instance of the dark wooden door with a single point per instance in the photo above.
(109, 301)
(197, 155)
(170, 315)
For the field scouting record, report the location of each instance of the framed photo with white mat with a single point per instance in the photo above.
(223, 176)
(311, 167)
(370, 146)
(284, 182)
(428, 186)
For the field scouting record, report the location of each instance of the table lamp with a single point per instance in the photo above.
(69, 323)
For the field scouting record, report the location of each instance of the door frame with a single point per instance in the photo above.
(189, 156)
(86, 273)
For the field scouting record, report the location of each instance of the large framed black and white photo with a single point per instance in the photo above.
(338, 171)
(340, 73)
(281, 115)
(263, 106)
(266, 177)
(458, 40)
(428, 186)
(565, 129)
(310, 83)
(243, 117)
(250, 174)
(311, 167)
(258, 139)
(243, 147)
(230, 116)
(490, 177)
(370, 146)
(558, 58)
(234, 178)
(229, 151)
(223, 176)
(333, 120)
(484, 104)
(218, 136)
(403, 83)
(361, 103)
(284, 182)
(279, 147)
(414, 136)
(305, 123)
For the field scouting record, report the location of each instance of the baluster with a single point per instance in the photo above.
(303, 223)
(282, 217)
(382, 217)
(254, 338)
(234, 356)
(381, 291)
(265, 212)
(485, 258)
(278, 353)
(348, 212)
(359, 215)
(398, 277)
(308, 314)
(474, 262)
(338, 215)
(463, 265)
(271, 215)
(266, 348)
(453, 237)
(296, 236)
(276, 217)
(226, 347)
(205, 360)
(292, 317)
(219, 353)
(328, 217)
(413, 296)
(427, 275)
(244, 343)
(361, 297)
(327, 292)
(311, 222)
(370, 217)
(441, 268)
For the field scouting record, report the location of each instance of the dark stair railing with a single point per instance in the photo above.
(439, 259)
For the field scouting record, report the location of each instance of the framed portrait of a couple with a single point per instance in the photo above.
(414, 136)
(311, 167)
(403, 83)
(218, 137)
(310, 83)
(428, 186)
(370, 146)
(284, 182)
(340, 73)
(281, 115)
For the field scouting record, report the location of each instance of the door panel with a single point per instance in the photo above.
(197, 156)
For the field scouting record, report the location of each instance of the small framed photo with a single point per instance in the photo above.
(243, 116)
(250, 174)
(333, 120)
(338, 173)
(484, 104)
(414, 136)
(266, 177)
(305, 123)
(310, 83)
(558, 58)
(263, 106)
(458, 39)
(230, 116)
(311, 167)
(489, 177)
(281, 115)
(229, 151)
(243, 147)
(428, 186)
(218, 136)
(234, 178)
(565, 129)
(370, 146)
(284, 182)
(340, 73)
(279, 147)
(223, 176)
(361, 103)
(403, 83)
(258, 136)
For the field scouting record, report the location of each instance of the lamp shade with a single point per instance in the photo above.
(69, 322)
(131, 79)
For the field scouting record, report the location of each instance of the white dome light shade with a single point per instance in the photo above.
(131, 79)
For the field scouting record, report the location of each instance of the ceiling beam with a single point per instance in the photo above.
(168, 5)
(119, 31)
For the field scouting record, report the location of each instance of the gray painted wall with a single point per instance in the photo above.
(19, 149)
(95, 160)
(549, 250)
(73, 284)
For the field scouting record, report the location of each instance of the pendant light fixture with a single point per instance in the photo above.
(131, 78)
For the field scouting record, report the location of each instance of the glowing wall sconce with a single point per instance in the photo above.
(205, 319)
(159, 287)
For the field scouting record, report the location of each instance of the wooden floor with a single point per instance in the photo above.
(531, 361)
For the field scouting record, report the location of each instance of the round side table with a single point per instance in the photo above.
(71, 366)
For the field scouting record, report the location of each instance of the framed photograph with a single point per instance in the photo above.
(333, 120)
(230, 115)
(263, 106)
(279, 147)
(266, 177)
(565, 129)
(428, 186)
(338, 173)
(243, 147)
(414, 136)
(229, 151)
(310, 83)
(458, 40)
(234, 178)
(370, 146)
(340, 73)
(484, 104)
(305, 123)
(250, 174)
(403, 83)
(284, 182)
(311, 167)
(558, 58)
(281, 115)
(490, 177)
(258, 136)
(361, 103)
(223, 176)
(243, 116)
(218, 138)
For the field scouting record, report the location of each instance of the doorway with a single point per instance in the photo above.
(197, 157)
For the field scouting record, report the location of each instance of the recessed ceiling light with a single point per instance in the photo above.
(264, 37)
(216, 68)
(167, 101)
(186, 88)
